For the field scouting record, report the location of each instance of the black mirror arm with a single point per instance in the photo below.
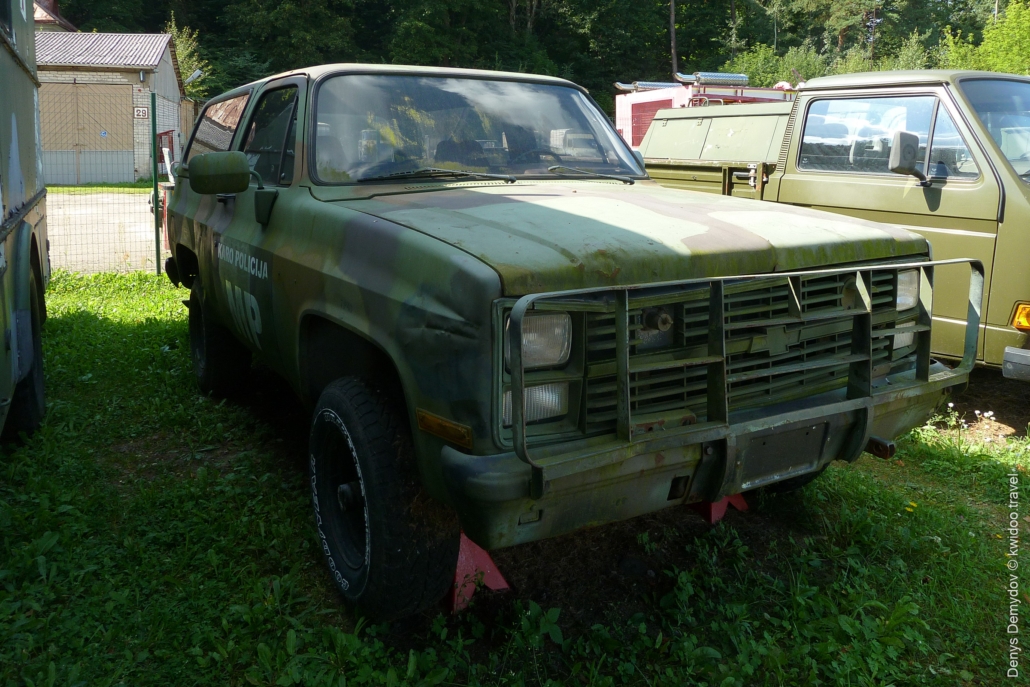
(257, 176)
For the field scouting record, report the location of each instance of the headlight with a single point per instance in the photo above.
(542, 402)
(908, 289)
(904, 340)
(546, 340)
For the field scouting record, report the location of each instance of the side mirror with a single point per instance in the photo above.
(215, 173)
(639, 157)
(905, 155)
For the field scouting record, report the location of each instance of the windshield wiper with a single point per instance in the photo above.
(553, 169)
(439, 172)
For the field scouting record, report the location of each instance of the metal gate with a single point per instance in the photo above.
(98, 168)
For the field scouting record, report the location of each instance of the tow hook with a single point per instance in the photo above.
(881, 448)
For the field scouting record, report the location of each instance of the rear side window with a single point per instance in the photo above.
(854, 134)
(6, 15)
(217, 126)
(268, 142)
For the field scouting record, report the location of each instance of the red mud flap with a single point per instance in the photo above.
(474, 567)
(714, 512)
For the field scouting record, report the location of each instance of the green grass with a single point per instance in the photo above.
(149, 535)
(141, 186)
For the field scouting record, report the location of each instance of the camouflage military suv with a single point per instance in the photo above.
(506, 328)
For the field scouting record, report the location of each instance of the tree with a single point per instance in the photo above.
(299, 33)
(188, 55)
(1005, 46)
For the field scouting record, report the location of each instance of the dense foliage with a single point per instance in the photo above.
(593, 42)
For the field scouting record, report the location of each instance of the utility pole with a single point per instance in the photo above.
(872, 38)
(733, 24)
(672, 37)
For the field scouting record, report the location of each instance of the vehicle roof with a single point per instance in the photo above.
(373, 68)
(898, 78)
(734, 110)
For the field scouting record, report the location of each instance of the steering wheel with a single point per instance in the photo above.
(545, 151)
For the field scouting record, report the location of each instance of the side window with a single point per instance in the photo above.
(854, 134)
(216, 127)
(6, 13)
(268, 138)
(949, 156)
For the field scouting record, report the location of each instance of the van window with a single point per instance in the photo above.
(1003, 106)
(949, 156)
(217, 126)
(265, 138)
(854, 134)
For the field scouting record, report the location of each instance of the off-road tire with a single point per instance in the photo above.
(28, 404)
(220, 362)
(391, 549)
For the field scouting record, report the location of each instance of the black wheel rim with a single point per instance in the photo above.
(342, 492)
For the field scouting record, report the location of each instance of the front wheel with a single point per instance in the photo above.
(392, 550)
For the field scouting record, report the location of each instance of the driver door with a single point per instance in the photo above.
(841, 166)
(245, 248)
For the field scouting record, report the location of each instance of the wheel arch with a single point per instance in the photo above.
(329, 350)
(187, 265)
(36, 264)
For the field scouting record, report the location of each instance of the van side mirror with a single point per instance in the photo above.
(905, 156)
(216, 173)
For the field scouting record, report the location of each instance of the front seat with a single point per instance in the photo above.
(461, 152)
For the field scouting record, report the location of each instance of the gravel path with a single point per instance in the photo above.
(100, 231)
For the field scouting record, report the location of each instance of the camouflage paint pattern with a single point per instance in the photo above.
(416, 269)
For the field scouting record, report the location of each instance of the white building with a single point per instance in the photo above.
(95, 103)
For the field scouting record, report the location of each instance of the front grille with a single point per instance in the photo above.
(777, 349)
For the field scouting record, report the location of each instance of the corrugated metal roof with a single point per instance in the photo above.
(100, 49)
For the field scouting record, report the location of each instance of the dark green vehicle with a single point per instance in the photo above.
(506, 328)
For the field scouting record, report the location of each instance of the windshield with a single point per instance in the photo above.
(1003, 107)
(373, 125)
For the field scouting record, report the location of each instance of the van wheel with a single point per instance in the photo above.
(220, 362)
(392, 550)
(28, 404)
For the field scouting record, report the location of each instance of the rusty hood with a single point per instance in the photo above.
(550, 236)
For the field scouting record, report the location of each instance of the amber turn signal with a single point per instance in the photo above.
(1022, 319)
(444, 428)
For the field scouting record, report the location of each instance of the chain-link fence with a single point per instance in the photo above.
(97, 164)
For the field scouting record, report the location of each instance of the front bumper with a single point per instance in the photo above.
(1016, 364)
(590, 484)
(657, 460)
